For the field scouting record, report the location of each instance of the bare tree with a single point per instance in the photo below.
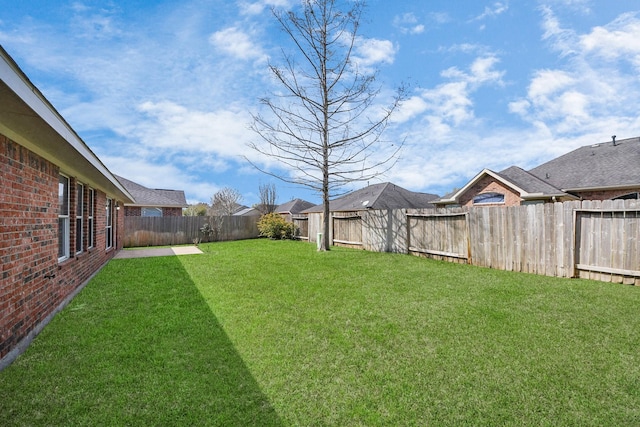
(268, 197)
(322, 126)
(224, 203)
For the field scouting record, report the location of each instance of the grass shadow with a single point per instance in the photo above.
(138, 346)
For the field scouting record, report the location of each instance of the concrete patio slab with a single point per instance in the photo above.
(153, 252)
(186, 250)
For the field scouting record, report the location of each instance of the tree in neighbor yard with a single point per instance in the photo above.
(268, 197)
(224, 202)
(323, 125)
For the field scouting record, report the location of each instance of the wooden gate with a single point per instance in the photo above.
(607, 245)
(347, 229)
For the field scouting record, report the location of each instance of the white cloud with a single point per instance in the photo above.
(371, 51)
(450, 104)
(409, 109)
(173, 127)
(237, 43)
(618, 40)
(408, 24)
(562, 40)
(258, 7)
(496, 9)
(596, 89)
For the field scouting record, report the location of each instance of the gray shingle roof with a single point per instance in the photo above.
(379, 196)
(529, 183)
(594, 166)
(153, 197)
(294, 206)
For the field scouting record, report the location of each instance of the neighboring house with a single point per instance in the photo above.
(292, 208)
(381, 203)
(604, 171)
(378, 196)
(60, 216)
(246, 211)
(222, 210)
(152, 202)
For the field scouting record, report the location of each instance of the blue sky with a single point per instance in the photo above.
(162, 91)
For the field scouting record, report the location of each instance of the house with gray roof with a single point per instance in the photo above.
(292, 208)
(385, 195)
(152, 202)
(602, 171)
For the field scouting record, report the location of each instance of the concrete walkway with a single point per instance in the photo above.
(151, 252)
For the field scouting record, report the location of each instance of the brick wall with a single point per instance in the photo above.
(34, 283)
(171, 211)
(604, 195)
(132, 211)
(488, 184)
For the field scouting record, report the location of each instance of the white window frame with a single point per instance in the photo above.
(148, 209)
(109, 224)
(90, 223)
(486, 196)
(64, 228)
(79, 217)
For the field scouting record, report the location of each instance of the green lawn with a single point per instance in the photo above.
(274, 333)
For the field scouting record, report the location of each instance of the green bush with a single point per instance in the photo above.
(274, 226)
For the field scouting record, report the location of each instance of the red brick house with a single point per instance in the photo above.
(60, 211)
(151, 201)
(603, 171)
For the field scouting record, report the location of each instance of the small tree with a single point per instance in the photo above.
(268, 197)
(199, 209)
(223, 203)
(274, 226)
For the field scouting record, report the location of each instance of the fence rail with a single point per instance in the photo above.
(161, 231)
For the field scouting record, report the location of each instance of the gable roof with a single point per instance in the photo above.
(293, 206)
(527, 185)
(153, 197)
(598, 166)
(29, 119)
(530, 185)
(379, 196)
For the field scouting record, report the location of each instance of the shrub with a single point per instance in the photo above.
(274, 226)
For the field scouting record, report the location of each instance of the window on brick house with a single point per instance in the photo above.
(79, 217)
(488, 198)
(630, 196)
(90, 224)
(151, 212)
(109, 222)
(63, 218)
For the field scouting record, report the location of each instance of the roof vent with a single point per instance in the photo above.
(613, 138)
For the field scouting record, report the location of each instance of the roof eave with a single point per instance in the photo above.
(603, 188)
(47, 133)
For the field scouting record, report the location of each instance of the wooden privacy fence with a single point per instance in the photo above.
(347, 229)
(302, 224)
(161, 231)
(589, 239)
